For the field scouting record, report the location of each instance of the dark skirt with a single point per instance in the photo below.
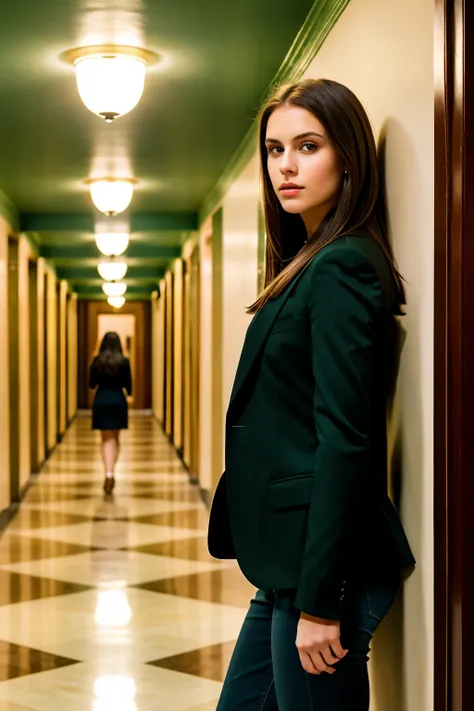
(110, 410)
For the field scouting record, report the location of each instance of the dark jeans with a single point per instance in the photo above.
(265, 673)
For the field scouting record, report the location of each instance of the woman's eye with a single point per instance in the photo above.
(309, 147)
(274, 150)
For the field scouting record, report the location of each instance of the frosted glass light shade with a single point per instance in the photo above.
(111, 196)
(110, 85)
(116, 301)
(114, 288)
(112, 271)
(111, 244)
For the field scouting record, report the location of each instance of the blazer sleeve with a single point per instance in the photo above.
(127, 377)
(345, 305)
(93, 376)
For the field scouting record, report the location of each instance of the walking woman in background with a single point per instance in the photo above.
(110, 374)
(303, 502)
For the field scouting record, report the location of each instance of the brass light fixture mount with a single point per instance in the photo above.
(72, 56)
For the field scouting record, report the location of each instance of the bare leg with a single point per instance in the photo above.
(117, 445)
(109, 457)
(109, 450)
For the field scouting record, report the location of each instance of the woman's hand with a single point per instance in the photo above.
(319, 644)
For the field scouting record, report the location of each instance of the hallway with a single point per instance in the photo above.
(114, 605)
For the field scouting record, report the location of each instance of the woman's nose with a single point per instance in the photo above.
(287, 165)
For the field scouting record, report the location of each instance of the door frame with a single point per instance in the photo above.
(454, 356)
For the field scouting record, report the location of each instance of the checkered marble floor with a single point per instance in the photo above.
(114, 604)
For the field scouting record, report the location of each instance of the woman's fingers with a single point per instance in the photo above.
(328, 656)
(338, 650)
(307, 663)
(319, 646)
(320, 663)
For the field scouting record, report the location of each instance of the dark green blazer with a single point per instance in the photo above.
(303, 501)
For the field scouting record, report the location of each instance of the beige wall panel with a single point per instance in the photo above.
(158, 315)
(72, 369)
(178, 355)
(187, 365)
(169, 358)
(161, 350)
(40, 364)
(4, 370)
(154, 353)
(24, 252)
(240, 268)
(218, 412)
(62, 356)
(52, 357)
(205, 372)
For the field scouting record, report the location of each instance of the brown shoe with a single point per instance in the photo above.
(109, 485)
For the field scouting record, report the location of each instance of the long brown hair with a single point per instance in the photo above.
(361, 206)
(110, 355)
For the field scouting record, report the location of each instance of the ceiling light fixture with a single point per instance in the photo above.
(112, 270)
(111, 195)
(110, 78)
(114, 288)
(116, 301)
(112, 244)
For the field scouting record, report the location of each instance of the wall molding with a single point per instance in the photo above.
(9, 212)
(321, 19)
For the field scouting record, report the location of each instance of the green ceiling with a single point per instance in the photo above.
(219, 58)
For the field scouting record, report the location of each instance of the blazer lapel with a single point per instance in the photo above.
(257, 335)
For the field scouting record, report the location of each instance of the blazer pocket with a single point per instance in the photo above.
(289, 323)
(291, 492)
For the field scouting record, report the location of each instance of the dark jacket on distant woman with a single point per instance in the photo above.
(110, 408)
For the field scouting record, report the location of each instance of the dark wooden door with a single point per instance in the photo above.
(454, 356)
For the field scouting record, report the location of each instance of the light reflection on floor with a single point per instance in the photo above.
(114, 605)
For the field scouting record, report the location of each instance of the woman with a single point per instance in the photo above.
(110, 373)
(303, 502)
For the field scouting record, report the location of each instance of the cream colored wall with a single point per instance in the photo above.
(72, 374)
(41, 348)
(4, 370)
(205, 359)
(240, 265)
(24, 254)
(52, 357)
(239, 290)
(384, 52)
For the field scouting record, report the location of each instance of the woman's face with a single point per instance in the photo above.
(305, 170)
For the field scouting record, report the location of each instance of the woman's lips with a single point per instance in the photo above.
(290, 192)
